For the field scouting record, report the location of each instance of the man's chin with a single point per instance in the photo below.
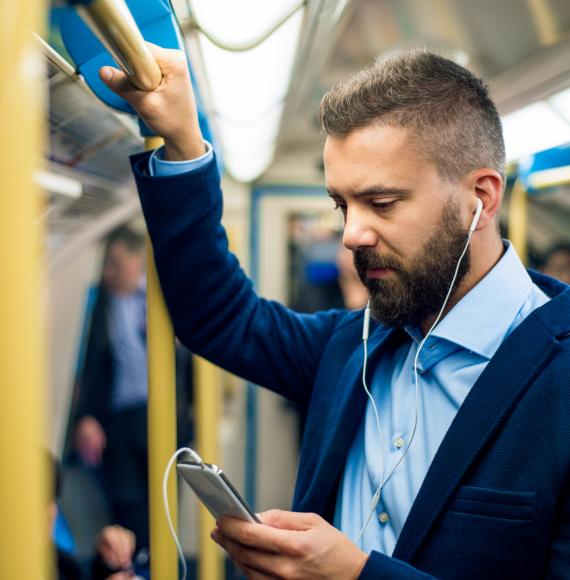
(387, 314)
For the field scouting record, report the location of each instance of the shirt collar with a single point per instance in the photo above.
(482, 318)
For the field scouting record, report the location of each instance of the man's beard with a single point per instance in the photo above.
(410, 294)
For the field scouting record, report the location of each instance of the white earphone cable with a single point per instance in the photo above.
(175, 456)
(378, 493)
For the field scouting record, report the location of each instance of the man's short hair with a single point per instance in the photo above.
(447, 109)
(124, 235)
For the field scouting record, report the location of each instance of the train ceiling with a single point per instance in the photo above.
(521, 46)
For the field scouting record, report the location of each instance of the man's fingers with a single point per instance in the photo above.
(116, 80)
(260, 536)
(256, 563)
(168, 59)
(158, 52)
(286, 520)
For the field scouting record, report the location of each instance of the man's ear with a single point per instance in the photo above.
(487, 185)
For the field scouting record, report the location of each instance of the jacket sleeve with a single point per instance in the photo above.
(215, 311)
(381, 566)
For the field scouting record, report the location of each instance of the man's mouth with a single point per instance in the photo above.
(378, 273)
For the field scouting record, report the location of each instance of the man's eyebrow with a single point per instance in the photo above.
(373, 190)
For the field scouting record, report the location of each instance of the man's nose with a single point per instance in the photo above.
(358, 232)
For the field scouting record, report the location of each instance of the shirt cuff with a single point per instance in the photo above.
(159, 167)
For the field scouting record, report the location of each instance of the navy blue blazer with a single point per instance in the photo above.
(495, 502)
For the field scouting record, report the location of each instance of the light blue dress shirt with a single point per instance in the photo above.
(126, 322)
(450, 363)
(159, 167)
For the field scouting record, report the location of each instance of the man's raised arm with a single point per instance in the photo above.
(215, 311)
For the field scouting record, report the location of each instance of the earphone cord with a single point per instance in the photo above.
(377, 495)
(375, 499)
(175, 456)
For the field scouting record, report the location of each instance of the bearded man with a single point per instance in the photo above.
(440, 445)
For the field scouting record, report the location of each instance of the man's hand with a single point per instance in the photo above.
(116, 546)
(170, 109)
(90, 440)
(289, 545)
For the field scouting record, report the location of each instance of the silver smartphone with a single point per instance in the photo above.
(215, 491)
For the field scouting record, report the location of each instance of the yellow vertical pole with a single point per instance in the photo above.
(161, 418)
(518, 220)
(24, 529)
(207, 405)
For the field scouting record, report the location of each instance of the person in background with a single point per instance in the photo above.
(354, 292)
(111, 420)
(557, 262)
(114, 547)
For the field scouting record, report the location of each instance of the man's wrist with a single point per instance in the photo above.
(360, 562)
(184, 149)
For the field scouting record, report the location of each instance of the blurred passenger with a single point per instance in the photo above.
(557, 263)
(115, 545)
(314, 273)
(325, 276)
(111, 424)
(354, 292)
(468, 474)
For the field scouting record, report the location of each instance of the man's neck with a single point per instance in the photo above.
(484, 257)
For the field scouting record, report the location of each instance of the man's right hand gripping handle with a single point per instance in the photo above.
(170, 109)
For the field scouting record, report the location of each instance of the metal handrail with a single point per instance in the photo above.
(115, 27)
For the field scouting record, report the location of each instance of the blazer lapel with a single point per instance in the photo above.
(489, 403)
(337, 429)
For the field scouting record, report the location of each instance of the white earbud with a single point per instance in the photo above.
(366, 324)
(476, 217)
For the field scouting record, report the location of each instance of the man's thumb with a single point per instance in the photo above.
(114, 78)
(106, 74)
(288, 520)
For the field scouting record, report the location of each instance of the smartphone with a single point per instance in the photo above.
(215, 491)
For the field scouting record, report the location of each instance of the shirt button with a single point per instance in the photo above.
(383, 517)
(399, 442)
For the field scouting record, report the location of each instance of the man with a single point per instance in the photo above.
(477, 486)
(111, 424)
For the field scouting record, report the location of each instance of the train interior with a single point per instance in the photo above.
(261, 71)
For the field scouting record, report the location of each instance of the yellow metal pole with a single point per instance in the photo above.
(207, 401)
(161, 419)
(518, 220)
(24, 529)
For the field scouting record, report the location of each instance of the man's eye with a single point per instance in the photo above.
(340, 206)
(384, 205)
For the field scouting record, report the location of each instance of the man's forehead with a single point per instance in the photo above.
(384, 151)
(377, 177)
